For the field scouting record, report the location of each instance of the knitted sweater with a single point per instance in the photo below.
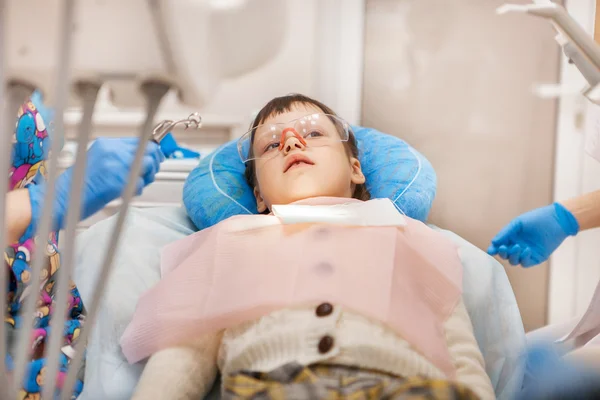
(188, 371)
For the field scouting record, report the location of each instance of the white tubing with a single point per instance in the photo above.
(10, 100)
(45, 224)
(154, 93)
(89, 95)
(5, 139)
(5, 154)
(16, 96)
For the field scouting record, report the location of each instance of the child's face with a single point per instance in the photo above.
(327, 171)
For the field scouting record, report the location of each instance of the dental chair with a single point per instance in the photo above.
(118, 259)
(215, 190)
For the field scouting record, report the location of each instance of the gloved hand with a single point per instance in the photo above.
(107, 169)
(530, 238)
(548, 376)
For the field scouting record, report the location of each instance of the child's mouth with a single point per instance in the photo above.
(297, 164)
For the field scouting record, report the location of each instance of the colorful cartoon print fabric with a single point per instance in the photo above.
(31, 146)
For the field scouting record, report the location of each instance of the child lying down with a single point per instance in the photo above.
(365, 303)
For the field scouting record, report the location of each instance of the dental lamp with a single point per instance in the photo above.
(139, 50)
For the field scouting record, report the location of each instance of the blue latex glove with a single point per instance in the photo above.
(171, 149)
(107, 169)
(550, 377)
(530, 238)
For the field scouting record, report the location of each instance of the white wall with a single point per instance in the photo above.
(454, 80)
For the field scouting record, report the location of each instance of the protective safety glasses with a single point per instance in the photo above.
(267, 140)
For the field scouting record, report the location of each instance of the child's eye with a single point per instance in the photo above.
(271, 146)
(314, 134)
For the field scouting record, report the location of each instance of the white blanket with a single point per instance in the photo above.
(488, 297)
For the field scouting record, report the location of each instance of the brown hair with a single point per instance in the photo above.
(282, 104)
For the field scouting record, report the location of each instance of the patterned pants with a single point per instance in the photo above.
(294, 381)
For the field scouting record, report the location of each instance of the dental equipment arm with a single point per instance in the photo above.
(587, 69)
(563, 22)
(577, 44)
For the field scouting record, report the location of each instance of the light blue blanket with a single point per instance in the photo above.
(488, 297)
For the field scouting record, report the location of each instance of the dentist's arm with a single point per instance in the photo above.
(18, 214)
(107, 170)
(585, 209)
(532, 237)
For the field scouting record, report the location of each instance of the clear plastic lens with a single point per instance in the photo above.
(265, 141)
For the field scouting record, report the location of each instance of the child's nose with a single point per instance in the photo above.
(292, 143)
(290, 140)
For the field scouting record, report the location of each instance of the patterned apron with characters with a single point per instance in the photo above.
(31, 145)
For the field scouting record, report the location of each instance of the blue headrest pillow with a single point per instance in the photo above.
(216, 189)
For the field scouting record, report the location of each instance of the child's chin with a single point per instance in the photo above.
(307, 190)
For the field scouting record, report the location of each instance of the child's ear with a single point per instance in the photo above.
(358, 178)
(260, 202)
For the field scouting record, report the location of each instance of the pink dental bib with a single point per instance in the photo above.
(408, 278)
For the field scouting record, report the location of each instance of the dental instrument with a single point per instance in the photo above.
(165, 127)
